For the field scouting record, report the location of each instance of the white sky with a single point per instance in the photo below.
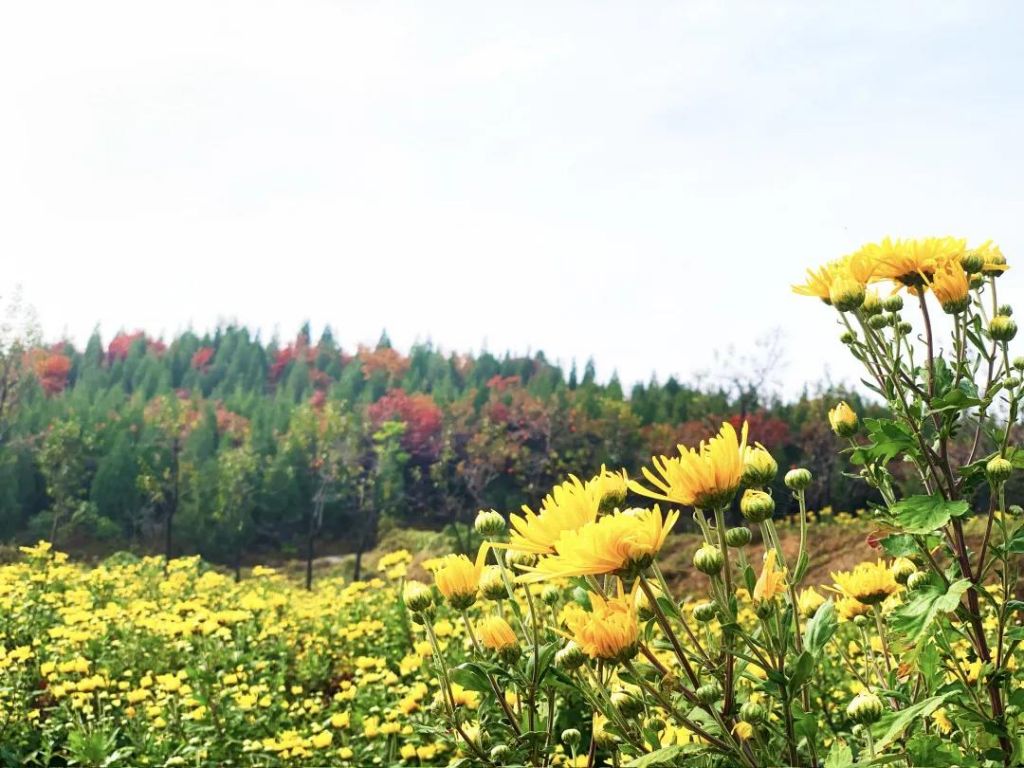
(637, 181)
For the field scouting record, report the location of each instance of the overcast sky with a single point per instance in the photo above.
(639, 182)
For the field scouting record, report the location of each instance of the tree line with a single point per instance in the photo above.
(225, 445)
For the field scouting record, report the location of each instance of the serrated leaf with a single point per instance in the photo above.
(893, 724)
(912, 619)
(924, 514)
(663, 756)
(899, 545)
(840, 756)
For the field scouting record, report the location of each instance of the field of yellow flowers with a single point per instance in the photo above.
(559, 641)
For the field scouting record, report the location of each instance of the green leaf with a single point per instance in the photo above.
(914, 618)
(471, 677)
(965, 395)
(924, 514)
(821, 627)
(840, 756)
(894, 724)
(801, 670)
(888, 439)
(899, 545)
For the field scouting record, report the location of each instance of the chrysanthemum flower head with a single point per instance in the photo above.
(772, 580)
(610, 630)
(458, 577)
(868, 583)
(707, 477)
(622, 543)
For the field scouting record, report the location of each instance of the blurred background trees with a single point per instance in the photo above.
(224, 445)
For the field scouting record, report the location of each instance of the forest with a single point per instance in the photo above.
(233, 448)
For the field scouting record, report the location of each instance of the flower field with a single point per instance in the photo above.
(559, 640)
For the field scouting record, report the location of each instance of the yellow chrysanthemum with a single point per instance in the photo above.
(622, 542)
(849, 608)
(496, 634)
(458, 577)
(950, 286)
(569, 506)
(772, 580)
(913, 263)
(868, 583)
(994, 262)
(706, 477)
(809, 601)
(609, 630)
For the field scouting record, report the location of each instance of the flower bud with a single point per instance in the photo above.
(753, 712)
(492, 585)
(709, 693)
(972, 262)
(998, 470)
(708, 559)
(571, 738)
(995, 264)
(902, 569)
(878, 322)
(904, 329)
(705, 611)
(500, 754)
(976, 281)
(489, 524)
(1011, 382)
(865, 709)
(1002, 328)
(798, 479)
(550, 595)
(628, 706)
(860, 620)
(515, 557)
(848, 337)
(846, 294)
(418, 597)
(1012, 710)
(759, 468)
(917, 580)
(756, 506)
(738, 537)
(1015, 510)
(1018, 363)
(892, 303)
(1004, 310)
(843, 420)
(872, 304)
(570, 657)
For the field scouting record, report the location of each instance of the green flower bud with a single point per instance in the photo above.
(798, 479)
(757, 506)
(917, 580)
(976, 281)
(705, 611)
(872, 304)
(972, 262)
(550, 595)
(902, 569)
(865, 709)
(998, 470)
(1011, 382)
(878, 322)
(570, 657)
(1002, 328)
(571, 738)
(1004, 310)
(759, 467)
(628, 706)
(1018, 363)
(709, 693)
(492, 585)
(418, 597)
(860, 620)
(489, 524)
(500, 754)
(515, 558)
(709, 560)
(903, 329)
(848, 337)
(1015, 510)
(1012, 711)
(892, 303)
(738, 537)
(753, 712)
